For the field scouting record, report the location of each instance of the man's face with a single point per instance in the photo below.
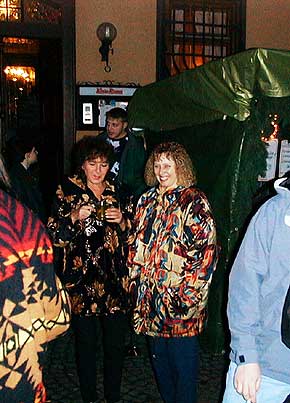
(32, 156)
(116, 128)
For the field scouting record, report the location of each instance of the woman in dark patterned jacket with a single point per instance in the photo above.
(88, 225)
(171, 262)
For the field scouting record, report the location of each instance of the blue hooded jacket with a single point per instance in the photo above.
(258, 285)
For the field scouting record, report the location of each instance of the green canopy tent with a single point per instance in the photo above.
(218, 111)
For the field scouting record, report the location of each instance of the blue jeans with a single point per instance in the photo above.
(271, 391)
(175, 363)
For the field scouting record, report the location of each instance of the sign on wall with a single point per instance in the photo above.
(276, 154)
(94, 101)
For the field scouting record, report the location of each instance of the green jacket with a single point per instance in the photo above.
(132, 164)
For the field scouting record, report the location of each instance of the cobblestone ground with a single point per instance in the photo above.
(138, 381)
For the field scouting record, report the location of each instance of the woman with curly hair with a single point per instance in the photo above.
(172, 257)
(87, 225)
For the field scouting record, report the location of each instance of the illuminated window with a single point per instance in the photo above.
(10, 10)
(30, 11)
(191, 33)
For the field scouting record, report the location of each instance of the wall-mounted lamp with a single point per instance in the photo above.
(106, 32)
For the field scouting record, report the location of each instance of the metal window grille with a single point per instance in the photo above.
(191, 33)
(29, 11)
(10, 10)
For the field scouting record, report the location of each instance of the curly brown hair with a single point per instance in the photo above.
(186, 175)
(89, 148)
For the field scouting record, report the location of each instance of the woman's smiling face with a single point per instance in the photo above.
(165, 172)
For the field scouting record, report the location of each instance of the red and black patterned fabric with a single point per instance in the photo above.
(33, 306)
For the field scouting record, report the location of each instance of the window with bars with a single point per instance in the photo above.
(10, 10)
(29, 11)
(191, 33)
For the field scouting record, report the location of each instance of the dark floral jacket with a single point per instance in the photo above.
(92, 262)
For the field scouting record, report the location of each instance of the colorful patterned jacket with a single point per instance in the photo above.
(171, 262)
(33, 306)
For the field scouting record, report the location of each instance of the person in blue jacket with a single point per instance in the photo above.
(259, 371)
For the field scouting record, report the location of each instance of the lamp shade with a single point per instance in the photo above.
(106, 32)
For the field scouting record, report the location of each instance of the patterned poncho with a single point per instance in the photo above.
(33, 306)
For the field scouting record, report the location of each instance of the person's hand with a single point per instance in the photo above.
(247, 381)
(114, 214)
(81, 213)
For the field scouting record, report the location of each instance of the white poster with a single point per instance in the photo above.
(272, 149)
(284, 160)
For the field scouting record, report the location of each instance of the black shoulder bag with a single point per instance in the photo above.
(285, 325)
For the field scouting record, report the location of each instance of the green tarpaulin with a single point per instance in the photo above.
(221, 88)
(218, 112)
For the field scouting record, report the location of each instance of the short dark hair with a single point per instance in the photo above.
(16, 148)
(89, 148)
(118, 113)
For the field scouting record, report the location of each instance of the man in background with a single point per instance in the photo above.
(22, 157)
(130, 155)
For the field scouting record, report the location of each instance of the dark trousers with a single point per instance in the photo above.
(175, 363)
(89, 332)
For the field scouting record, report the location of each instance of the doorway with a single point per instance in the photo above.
(31, 87)
(37, 45)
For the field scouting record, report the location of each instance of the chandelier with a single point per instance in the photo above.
(20, 73)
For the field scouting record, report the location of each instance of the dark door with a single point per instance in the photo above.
(33, 102)
(44, 40)
(51, 118)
